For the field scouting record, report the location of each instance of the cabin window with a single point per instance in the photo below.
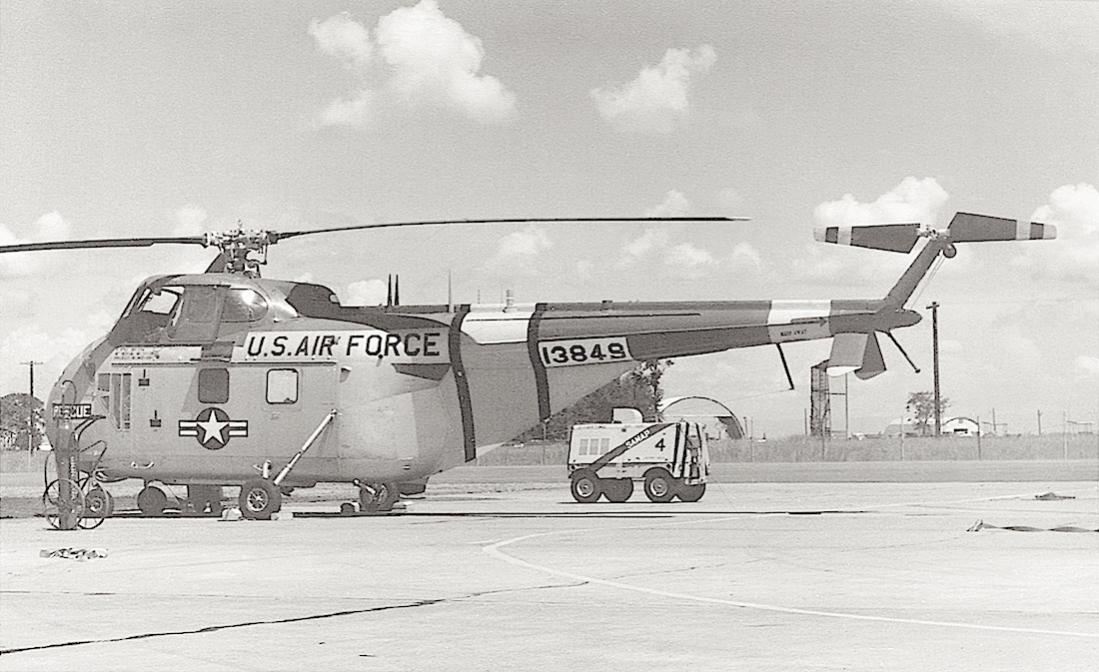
(282, 386)
(243, 305)
(604, 445)
(213, 386)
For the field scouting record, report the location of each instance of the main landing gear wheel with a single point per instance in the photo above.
(98, 506)
(63, 513)
(259, 498)
(659, 486)
(691, 493)
(152, 501)
(586, 487)
(378, 497)
(617, 490)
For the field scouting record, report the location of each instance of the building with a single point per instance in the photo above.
(960, 426)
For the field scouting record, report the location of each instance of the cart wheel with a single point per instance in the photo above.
(659, 486)
(586, 486)
(259, 498)
(375, 497)
(98, 506)
(152, 501)
(618, 490)
(63, 515)
(691, 493)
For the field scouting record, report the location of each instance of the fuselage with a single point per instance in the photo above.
(207, 378)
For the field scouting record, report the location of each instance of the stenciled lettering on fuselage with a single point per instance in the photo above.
(578, 351)
(398, 346)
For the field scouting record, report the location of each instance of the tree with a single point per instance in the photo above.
(640, 389)
(922, 407)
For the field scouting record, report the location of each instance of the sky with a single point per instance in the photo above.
(167, 118)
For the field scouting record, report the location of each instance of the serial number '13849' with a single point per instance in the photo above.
(584, 351)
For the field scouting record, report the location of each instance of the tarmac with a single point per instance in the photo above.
(513, 574)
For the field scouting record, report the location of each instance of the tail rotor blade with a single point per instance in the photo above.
(967, 227)
(888, 237)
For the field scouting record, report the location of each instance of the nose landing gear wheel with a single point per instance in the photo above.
(378, 497)
(259, 498)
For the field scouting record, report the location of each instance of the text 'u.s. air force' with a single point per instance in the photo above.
(403, 346)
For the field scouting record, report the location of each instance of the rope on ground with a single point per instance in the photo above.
(74, 553)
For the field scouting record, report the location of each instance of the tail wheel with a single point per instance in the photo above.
(376, 497)
(586, 487)
(259, 498)
(691, 493)
(63, 504)
(152, 501)
(659, 485)
(618, 490)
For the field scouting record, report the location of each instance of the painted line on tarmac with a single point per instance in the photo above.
(494, 551)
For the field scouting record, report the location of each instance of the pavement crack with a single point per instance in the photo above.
(230, 626)
(282, 621)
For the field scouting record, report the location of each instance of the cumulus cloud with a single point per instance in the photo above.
(658, 100)
(517, 251)
(423, 59)
(689, 262)
(913, 200)
(1074, 208)
(745, 257)
(344, 38)
(675, 204)
(644, 246)
(49, 227)
(189, 220)
(366, 293)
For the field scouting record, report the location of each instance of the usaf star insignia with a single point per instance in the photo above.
(212, 428)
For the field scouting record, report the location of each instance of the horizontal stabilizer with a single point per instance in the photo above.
(970, 228)
(858, 353)
(889, 237)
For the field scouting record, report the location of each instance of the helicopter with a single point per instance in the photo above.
(228, 378)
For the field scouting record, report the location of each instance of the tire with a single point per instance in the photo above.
(586, 487)
(691, 493)
(618, 490)
(152, 501)
(659, 485)
(259, 498)
(378, 497)
(98, 503)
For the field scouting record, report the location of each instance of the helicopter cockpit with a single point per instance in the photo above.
(182, 310)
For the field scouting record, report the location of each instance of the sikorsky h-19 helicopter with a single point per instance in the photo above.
(226, 378)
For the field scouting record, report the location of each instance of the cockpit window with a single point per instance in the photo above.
(162, 302)
(243, 305)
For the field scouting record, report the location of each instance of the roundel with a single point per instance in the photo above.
(213, 428)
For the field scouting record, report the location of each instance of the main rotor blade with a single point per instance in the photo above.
(103, 242)
(546, 220)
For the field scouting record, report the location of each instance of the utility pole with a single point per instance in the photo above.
(1039, 422)
(30, 413)
(935, 363)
